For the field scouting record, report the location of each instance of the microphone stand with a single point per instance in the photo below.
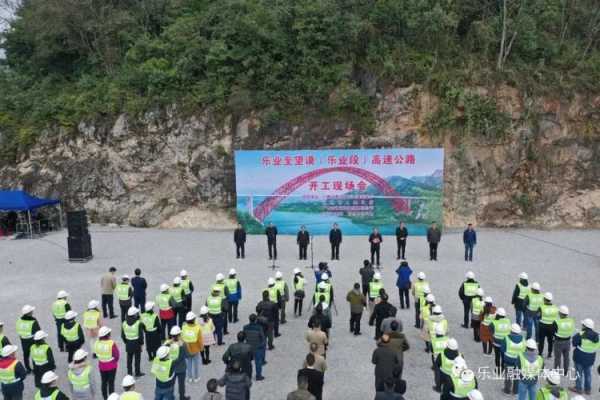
(312, 259)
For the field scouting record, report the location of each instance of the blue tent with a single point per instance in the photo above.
(19, 200)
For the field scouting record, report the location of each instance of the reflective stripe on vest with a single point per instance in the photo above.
(535, 301)
(161, 368)
(461, 389)
(447, 364)
(587, 346)
(80, 382)
(53, 396)
(177, 293)
(149, 320)
(91, 319)
(432, 325)
(477, 306)
(502, 328)
(39, 354)
(123, 291)
(327, 297)
(488, 319)
(549, 313)
(232, 284)
(438, 344)
(190, 333)
(7, 375)
(70, 334)
(163, 301)
(25, 328)
(374, 288)
(531, 370)
(59, 308)
(523, 291)
(566, 327)
(470, 288)
(300, 284)
(131, 332)
(185, 284)
(514, 350)
(214, 305)
(103, 350)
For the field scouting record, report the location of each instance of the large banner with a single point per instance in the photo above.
(358, 189)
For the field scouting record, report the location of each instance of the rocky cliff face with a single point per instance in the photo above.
(174, 171)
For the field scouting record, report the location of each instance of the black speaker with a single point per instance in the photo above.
(77, 223)
(80, 248)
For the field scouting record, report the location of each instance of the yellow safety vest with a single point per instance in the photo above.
(549, 313)
(103, 350)
(374, 288)
(123, 291)
(131, 332)
(39, 354)
(214, 305)
(149, 319)
(220, 287)
(190, 333)
(130, 396)
(91, 319)
(300, 284)
(7, 375)
(25, 328)
(177, 293)
(163, 301)
(186, 285)
(232, 284)
(70, 334)
(53, 396)
(80, 382)
(59, 308)
(470, 288)
(566, 327)
(161, 369)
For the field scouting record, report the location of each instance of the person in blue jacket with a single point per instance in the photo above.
(470, 240)
(586, 343)
(235, 295)
(403, 283)
(511, 348)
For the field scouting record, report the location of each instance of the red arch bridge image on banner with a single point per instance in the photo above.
(400, 204)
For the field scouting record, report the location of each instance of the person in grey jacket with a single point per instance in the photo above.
(179, 365)
(237, 384)
(434, 236)
(386, 360)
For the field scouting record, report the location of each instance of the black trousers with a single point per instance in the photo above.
(108, 308)
(302, 251)
(375, 251)
(240, 250)
(355, 322)
(61, 340)
(298, 307)
(476, 325)
(546, 332)
(433, 251)
(487, 347)
(232, 314)
(365, 288)
(404, 298)
(166, 325)
(131, 356)
(140, 303)
(401, 248)
(417, 312)
(26, 345)
(107, 382)
(466, 311)
(269, 334)
(335, 251)
(181, 385)
(272, 250)
(205, 355)
(124, 306)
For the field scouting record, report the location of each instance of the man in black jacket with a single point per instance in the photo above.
(242, 352)
(239, 237)
(401, 235)
(256, 338)
(366, 276)
(382, 310)
(315, 378)
(139, 286)
(302, 239)
(132, 333)
(335, 239)
(271, 233)
(434, 236)
(268, 312)
(375, 239)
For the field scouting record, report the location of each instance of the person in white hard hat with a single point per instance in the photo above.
(239, 238)
(188, 289)
(468, 290)
(177, 293)
(224, 294)
(439, 343)
(500, 329)
(533, 302)
(302, 240)
(59, 308)
(191, 335)
(124, 293)
(375, 240)
(208, 334)
(132, 334)
(177, 351)
(108, 355)
(26, 326)
(548, 314)
(41, 356)
(3, 338)
(418, 292)
(275, 296)
(511, 349)
(436, 319)
(151, 326)
(108, 283)
(271, 233)
(299, 293)
(564, 329)
(444, 363)
(81, 377)
(215, 303)
(49, 388)
(129, 392)
(12, 373)
(375, 287)
(518, 297)
(586, 344)
(72, 334)
(163, 369)
(552, 388)
(469, 240)
(92, 321)
(476, 311)
(283, 288)
(475, 395)
(139, 285)
(530, 367)
(485, 333)
(166, 310)
(459, 387)
(234, 289)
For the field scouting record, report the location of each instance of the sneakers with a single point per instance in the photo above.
(260, 378)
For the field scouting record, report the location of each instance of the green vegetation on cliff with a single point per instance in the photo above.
(68, 60)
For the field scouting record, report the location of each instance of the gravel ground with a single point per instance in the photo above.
(564, 262)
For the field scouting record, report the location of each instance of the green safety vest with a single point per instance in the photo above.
(70, 334)
(53, 396)
(374, 288)
(447, 364)
(163, 301)
(59, 308)
(432, 325)
(25, 328)
(425, 313)
(39, 354)
(214, 305)
(232, 284)
(91, 319)
(470, 288)
(177, 293)
(546, 393)
(587, 346)
(566, 327)
(502, 328)
(419, 286)
(103, 350)
(190, 333)
(123, 291)
(487, 320)
(149, 319)
(549, 313)
(438, 344)
(514, 350)
(130, 396)
(523, 291)
(185, 284)
(477, 306)
(131, 332)
(422, 303)
(531, 370)
(318, 295)
(220, 287)
(7, 375)
(80, 382)
(535, 301)
(461, 389)
(161, 368)
(273, 291)
(280, 285)
(174, 351)
(300, 284)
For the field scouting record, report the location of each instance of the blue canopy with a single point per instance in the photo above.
(19, 200)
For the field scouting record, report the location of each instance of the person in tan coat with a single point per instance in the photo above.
(317, 336)
(108, 283)
(320, 362)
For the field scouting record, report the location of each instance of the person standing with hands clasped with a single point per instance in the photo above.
(239, 238)
(403, 283)
(434, 236)
(271, 232)
(469, 240)
(401, 235)
(302, 240)
(335, 239)
(375, 239)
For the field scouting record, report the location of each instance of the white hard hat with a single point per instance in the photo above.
(175, 331)
(232, 271)
(515, 328)
(79, 355)
(452, 344)
(480, 292)
(220, 277)
(322, 285)
(430, 298)
(49, 377)
(296, 271)
(125, 277)
(70, 315)
(128, 381)
(279, 275)
(437, 309)
(523, 275)
(467, 376)
(489, 300)
(459, 361)
(164, 287)
(177, 281)
(162, 352)
(588, 323)
(548, 296)
(578, 397)
(564, 310)
(9, 349)
(113, 396)
(62, 294)
(183, 273)
(203, 310)
(475, 395)
(501, 312)
(470, 275)
(271, 281)
(426, 289)
(325, 276)
(377, 276)
(439, 330)
(27, 309)
(421, 275)
(535, 286)
(105, 330)
(132, 311)
(93, 304)
(531, 344)
(39, 335)
(149, 305)
(553, 377)
(190, 316)
(324, 306)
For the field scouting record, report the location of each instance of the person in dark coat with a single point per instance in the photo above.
(386, 361)
(381, 311)
(335, 239)
(366, 275)
(469, 240)
(237, 384)
(151, 326)
(404, 284)
(302, 240)
(586, 344)
(132, 333)
(271, 232)
(15, 389)
(72, 345)
(257, 339)
(27, 319)
(466, 293)
(315, 378)
(434, 236)
(401, 235)
(375, 239)
(242, 352)
(388, 392)
(268, 312)
(518, 298)
(239, 238)
(41, 350)
(139, 286)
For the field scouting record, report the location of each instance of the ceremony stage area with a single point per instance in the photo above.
(566, 263)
